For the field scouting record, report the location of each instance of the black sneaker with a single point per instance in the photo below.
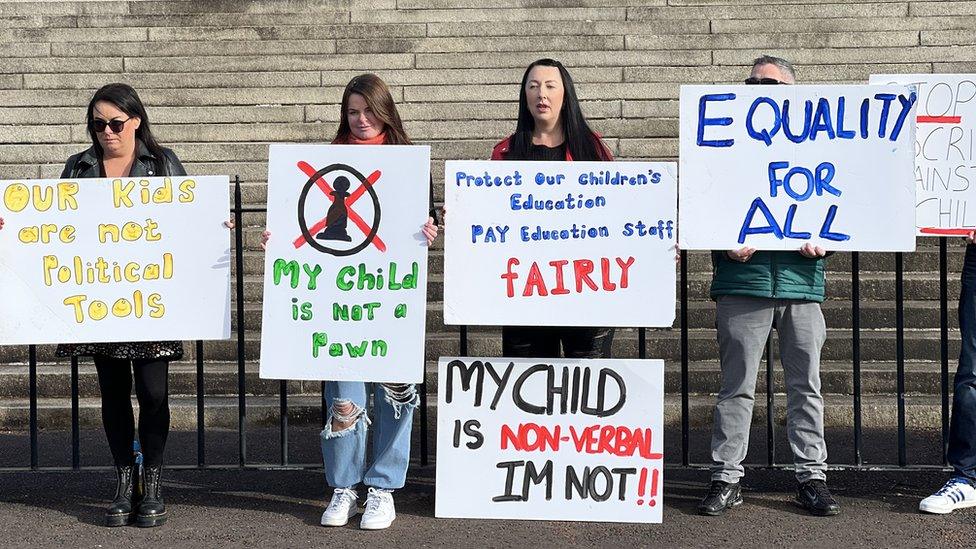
(814, 496)
(721, 496)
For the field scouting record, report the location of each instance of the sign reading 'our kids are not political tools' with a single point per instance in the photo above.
(126, 259)
(550, 439)
(345, 274)
(945, 171)
(777, 167)
(560, 243)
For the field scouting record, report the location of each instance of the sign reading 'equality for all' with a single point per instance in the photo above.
(945, 174)
(564, 243)
(776, 167)
(345, 275)
(564, 439)
(102, 260)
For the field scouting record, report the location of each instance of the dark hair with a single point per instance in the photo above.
(126, 100)
(378, 98)
(580, 139)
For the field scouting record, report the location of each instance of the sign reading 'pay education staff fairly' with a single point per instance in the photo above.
(945, 174)
(102, 260)
(550, 439)
(777, 167)
(345, 273)
(560, 243)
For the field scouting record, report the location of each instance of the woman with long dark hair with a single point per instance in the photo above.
(123, 146)
(368, 116)
(551, 126)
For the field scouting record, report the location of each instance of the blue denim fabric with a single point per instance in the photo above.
(962, 429)
(344, 452)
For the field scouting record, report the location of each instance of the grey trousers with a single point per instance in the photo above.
(743, 325)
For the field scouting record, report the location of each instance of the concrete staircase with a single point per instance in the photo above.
(222, 79)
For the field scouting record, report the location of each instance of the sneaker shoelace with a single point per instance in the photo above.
(339, 496)
(820, 488)
(378, 501)
(716, 489)
(951, 487)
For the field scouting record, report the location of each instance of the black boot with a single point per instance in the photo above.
(122, 510)
(151, 511)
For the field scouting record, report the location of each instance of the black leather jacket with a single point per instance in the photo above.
(85, 164)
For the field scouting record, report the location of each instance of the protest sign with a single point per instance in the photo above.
(550, 439)
(777, 167)
(345, 272)
(560, 243)
(110, 260)
(944, 168)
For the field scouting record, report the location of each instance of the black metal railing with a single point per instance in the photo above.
(858, 461)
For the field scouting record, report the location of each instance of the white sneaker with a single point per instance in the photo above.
(379, 513)
(342, 507)
(958, 493)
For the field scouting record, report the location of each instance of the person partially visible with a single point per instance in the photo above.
(123, 146)
(755, 292)
(368, 116)
(960, 490)
(551, 126)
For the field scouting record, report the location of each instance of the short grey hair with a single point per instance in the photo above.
(783, 64)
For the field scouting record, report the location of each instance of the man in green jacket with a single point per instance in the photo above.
(754, 292)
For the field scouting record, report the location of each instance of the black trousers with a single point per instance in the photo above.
(544, 342)
(152, 391)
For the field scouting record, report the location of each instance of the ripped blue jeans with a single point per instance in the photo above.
(344, 451)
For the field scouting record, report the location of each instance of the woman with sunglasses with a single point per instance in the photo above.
(123, 146)
(368, 116)
(551, 127)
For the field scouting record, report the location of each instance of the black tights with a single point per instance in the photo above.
(152, 391)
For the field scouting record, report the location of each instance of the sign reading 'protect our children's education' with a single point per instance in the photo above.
(345, 272)
(560, 243)
(102, 260)
(945, 171)
(550, 439)
(777, 167)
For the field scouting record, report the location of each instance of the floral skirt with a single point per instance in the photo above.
(171, 350)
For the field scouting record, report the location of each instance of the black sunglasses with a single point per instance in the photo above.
(756, 80)
(116, 125)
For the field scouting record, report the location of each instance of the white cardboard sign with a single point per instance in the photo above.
(560, 243)
(945, 175)
(777, 167)
(110, 260)
(345, 274)
(550, 439)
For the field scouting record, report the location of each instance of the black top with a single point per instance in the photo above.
(88, 164)
(543, 153)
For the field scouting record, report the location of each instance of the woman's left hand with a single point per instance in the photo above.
(229, 224)
(430, 230)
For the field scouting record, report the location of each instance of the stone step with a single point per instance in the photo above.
(220, 379)
(878, 287)
(877, 378)
(920, 345)
(922, 412)
(701, 315)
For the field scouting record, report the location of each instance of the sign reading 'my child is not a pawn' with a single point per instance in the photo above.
(345, 280)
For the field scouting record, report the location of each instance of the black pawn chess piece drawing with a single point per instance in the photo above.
(338, 216)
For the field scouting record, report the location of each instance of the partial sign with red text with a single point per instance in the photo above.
(550, 439)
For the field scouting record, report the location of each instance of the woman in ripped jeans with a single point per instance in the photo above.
(368, 117)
